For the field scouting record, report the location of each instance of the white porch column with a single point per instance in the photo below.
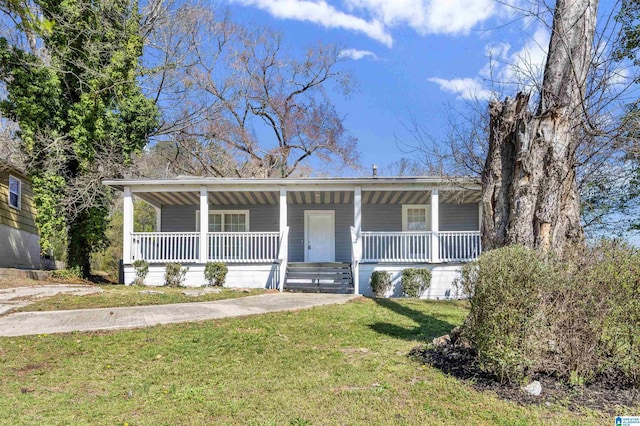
(127, 227)
(357, 244)
(204, 223)
(435, 227)
(158, 218)
(284, 234)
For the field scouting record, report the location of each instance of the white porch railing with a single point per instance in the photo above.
(161, 247)
(243, 247)
(403, 247)
(184, 247)
(396, 246)
(460, 246)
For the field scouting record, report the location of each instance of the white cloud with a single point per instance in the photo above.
(375, 18)
(356, 54)
(465, 88)
(522, 68)
(509, 69)
(428, 16)
(321, 13)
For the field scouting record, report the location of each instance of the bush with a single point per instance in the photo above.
(380, 282)
(415, 281)
(612, 272)
(142, 269)
(215, 273)
(578, 319)
(72, 273)
(174, 274)
(506, 286)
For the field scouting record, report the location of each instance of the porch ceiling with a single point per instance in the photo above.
(419, 197)
(244, 198)
(241, 198)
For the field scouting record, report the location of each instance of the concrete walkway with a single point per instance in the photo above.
(29, 323)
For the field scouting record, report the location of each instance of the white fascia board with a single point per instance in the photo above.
(269, 184)
(304, 184)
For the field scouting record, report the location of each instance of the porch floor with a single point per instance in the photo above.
(313, 277)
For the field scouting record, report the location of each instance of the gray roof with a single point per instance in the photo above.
(430, 181)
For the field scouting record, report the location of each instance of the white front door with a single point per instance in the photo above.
(319, 236)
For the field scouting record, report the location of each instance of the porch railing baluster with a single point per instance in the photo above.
(184, 247)
(381, 247)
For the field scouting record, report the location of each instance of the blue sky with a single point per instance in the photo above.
(411, 57)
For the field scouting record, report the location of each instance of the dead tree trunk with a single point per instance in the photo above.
(530, 196)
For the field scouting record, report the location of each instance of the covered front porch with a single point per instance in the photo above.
(265, 224)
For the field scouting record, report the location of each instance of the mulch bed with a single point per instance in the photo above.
(603, 395)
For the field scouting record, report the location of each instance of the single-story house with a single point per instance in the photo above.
(19, 239)
(325, 234)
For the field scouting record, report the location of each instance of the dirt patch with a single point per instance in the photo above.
(603, 395)
(30, 368)
(11, 282)
(17, 297)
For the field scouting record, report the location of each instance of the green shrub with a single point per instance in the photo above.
(380, 282)
(578, 319)
(142, 269)
(612, 273)
(415, 281)
(72, 273)
(174, 274)
(215, 273)
(506, 321)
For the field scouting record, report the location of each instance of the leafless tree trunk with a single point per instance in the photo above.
(530, 195)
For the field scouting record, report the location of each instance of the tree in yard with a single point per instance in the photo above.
(605, 145)
(530, 192)
(72, 89)
(234, 103)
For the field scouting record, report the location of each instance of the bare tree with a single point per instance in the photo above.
(229, 92)
(530, 191)
(603, 138)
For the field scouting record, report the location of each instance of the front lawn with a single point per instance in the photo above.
(341, 364)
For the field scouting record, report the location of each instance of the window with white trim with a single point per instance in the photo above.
(416, 217)
(226, 221)
(15, 192)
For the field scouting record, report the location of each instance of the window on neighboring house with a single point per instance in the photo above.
(416, 217)
(226, 221)
(15, 191)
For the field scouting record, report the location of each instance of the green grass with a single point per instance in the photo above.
(341, 364)
(113, 296)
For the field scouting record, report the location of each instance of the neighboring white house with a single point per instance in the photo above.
(329, 233)
(19, 238)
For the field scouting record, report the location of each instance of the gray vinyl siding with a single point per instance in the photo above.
(262, 218)
(459, 217)
(388, 217)
(344, 221)
(382, 217)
